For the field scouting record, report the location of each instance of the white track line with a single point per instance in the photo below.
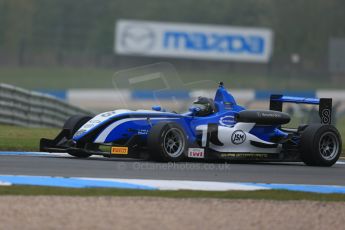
(2, 183)
(185, 185)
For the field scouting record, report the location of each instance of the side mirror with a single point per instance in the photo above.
(156, 108)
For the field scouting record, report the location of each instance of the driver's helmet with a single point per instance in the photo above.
(205, 105)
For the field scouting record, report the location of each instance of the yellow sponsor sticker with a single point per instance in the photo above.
(119, 150)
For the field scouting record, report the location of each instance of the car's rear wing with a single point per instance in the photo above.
(325, 105)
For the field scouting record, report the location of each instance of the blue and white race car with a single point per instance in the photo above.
(211, 129)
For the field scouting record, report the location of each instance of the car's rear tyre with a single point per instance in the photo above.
(167, 142)
(320, 145)
(73, 124)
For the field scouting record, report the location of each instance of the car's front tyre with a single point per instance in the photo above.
(167, 141)
(73, 124)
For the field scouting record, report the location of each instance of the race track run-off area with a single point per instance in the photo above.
(62, 170)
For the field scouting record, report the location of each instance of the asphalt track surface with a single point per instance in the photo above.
(95, 167)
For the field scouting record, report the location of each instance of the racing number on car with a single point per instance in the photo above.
(108, 114)
(325, 116)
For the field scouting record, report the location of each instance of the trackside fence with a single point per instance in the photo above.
(33, 109)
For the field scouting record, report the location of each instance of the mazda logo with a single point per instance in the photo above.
(137, 38)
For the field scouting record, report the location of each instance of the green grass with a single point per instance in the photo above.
(56, 78)
(261, 194)
(15, 138)
(64, 77)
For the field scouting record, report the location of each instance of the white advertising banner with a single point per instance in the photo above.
(181, 40)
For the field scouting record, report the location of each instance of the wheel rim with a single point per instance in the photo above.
(174, 142)
(329, 146)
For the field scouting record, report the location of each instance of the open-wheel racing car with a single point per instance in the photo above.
(211, 129)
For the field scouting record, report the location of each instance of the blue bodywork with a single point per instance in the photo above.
(119, 125)
(297, 100)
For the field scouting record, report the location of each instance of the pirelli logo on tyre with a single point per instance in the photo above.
(119, 150)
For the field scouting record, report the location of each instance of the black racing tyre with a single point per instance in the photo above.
(73, 124)
(167, 142)
(320, 145)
